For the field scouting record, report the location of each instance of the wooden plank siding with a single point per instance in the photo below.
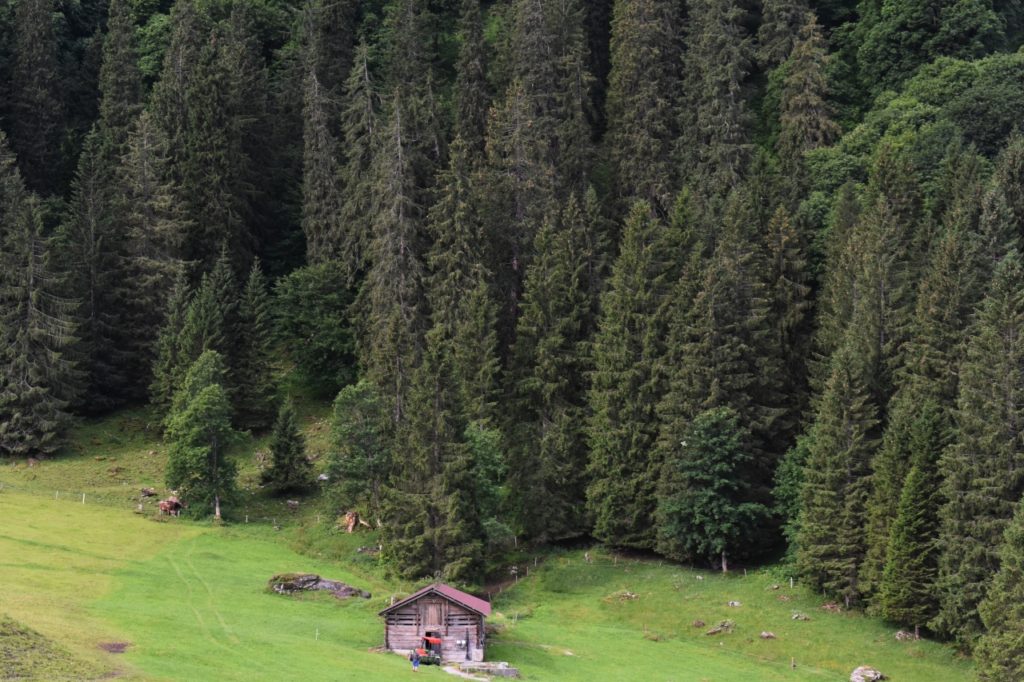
(461, 629)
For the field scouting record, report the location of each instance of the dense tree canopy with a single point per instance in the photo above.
(608, 269)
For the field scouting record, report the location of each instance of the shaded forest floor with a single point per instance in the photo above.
(187, 600)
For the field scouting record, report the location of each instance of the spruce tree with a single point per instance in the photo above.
(999, 655)
(252, 367)
(548, 452)
(391, 297)
(37, 111)
(646, 60)
(321, 200)
(210, 318)
(37, 378)
(331, 46)
(706, 508)
(906, 594)
(167, 363)
(946, 298)
(789, 307)
(472, 91)
(92, 252)
(982, 467)
(289, 467)
(781, 21)
(199, 432)
(120, 81)
(722, 352)
(360, 126)
(718, 57)
(154, 226)
(834, 499)
(805, 117)
(627, 383)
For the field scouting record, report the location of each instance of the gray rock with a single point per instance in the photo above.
(866, 674)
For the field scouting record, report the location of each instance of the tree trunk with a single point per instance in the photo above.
(216, 507)
(725, 563)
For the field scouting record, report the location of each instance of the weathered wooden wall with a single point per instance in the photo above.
(405, 628)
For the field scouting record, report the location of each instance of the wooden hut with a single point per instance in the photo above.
(439, 612)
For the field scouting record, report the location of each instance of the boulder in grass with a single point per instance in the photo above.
(767, 635)
(866, 673)
(290, 583)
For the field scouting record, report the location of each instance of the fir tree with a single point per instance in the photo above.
(781, 21)
(391, 297)
(37, 379)
(999, 655)
(120, 81)
(719, 60)
(805, 117)
(833, 502)
(210, 318)
(646, 59)
(320, 196)
(167, 363)
(705, 507)
(360, 124)
(92, 251)
(37, 112)
(789, 306)
(982, 468)
(154, 227)
(906, 594)
(627, 384)
(548, 459)
(946, 298)
(331, 37)
(472, 91)
(289, 467)
(199, 432)
(252, 368)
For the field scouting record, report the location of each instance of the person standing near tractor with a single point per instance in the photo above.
(415, 658)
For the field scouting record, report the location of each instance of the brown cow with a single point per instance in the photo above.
(171, 506)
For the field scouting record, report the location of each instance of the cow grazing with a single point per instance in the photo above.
(172, 506)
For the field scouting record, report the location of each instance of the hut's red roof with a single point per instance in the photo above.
(448, 592)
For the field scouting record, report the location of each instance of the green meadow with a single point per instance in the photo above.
(93, 591)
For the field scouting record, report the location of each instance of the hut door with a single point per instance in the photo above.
(432, 615)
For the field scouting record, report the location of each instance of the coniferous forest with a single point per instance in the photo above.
(719, 280)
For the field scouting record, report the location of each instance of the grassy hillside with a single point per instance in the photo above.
(187, 601)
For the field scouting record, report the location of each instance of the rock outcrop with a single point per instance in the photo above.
(290, 583)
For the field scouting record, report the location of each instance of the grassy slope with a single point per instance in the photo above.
(190, 597)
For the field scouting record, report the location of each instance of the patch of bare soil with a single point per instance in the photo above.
(115, 647)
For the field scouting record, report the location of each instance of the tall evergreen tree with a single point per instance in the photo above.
(168, 345)
(834, 499)
(252, 367)
(360, 463)
(120, 80)
(472, 91)
(321, 200)
(999, 655)
(627, 383)
(360, 126)
(391, 299)
(982, 468)
(37, 110)
(946, 298)
(548, 460)
(906, 594)
(92, 252)
(646, 60)
(781, 21)
(37, 379)
(718, 58)
(804, 113)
